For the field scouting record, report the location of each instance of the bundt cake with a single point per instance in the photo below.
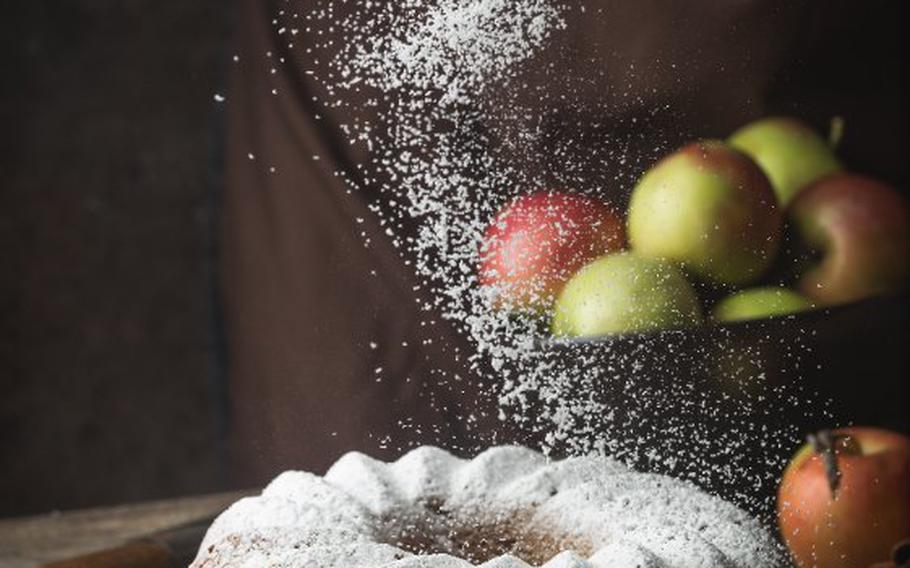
(508, 508)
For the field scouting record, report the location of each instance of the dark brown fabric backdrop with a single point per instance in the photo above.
(106, 351)
(304, 298)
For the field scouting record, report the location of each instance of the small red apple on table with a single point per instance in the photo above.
(844, 500)
(538, 241)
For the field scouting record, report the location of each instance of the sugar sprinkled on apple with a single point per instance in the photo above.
(537, 242)
(624, 293)
(710, 208)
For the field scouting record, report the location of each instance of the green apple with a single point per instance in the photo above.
(710, 208)
(623, 293)
(758, 303)
(790, 153)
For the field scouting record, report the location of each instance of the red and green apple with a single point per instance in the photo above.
(844, 499)
(538, 241)
(710, 208)
(860, 227)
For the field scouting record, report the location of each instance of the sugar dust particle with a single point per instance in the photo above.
(218, 98)
(449, 192)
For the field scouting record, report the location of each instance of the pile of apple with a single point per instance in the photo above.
(713, 214)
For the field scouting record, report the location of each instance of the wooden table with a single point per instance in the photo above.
(31, 541)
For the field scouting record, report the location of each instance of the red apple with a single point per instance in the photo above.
(861, 227)
(844, 500)
(537, 242)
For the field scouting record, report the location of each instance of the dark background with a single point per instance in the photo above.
(109, 363)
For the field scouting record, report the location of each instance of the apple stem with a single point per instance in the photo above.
(836, 132)
(823, 443)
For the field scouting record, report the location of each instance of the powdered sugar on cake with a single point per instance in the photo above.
(509, 507)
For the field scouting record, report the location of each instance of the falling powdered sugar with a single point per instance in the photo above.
(427, 76)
